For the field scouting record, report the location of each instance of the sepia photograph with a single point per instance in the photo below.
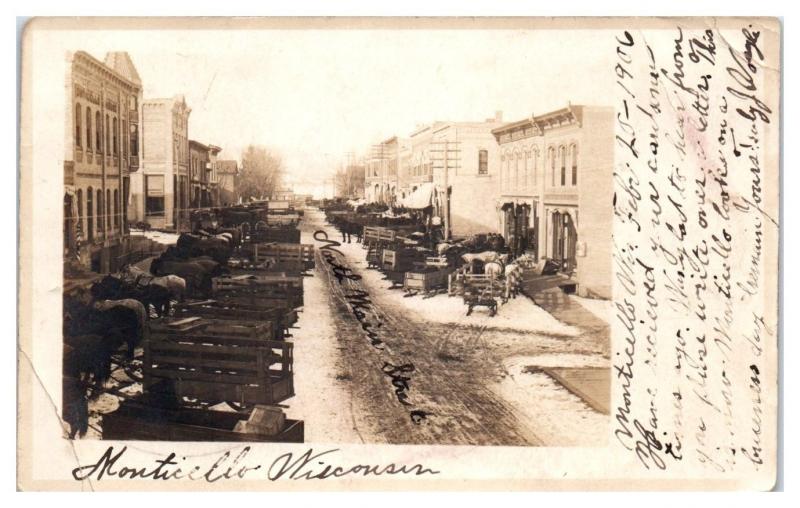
(553, 238)
(431, 268)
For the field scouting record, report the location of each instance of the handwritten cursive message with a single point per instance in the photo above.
(695, 210)
(237, 464)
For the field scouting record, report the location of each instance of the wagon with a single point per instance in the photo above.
(379, 234)
(144, 420)
(213, 309)
(429, 279)
(291, 254)
(482, 290)
(217, 361)
(275, 285)
(260, 303)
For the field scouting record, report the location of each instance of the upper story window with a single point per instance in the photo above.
(108, 134)
(535, 164)
(88, 128)
(483, 162)
(115, 143)
(574, 158)
(78, 129)
(98, 132)
(562, 155)
(551, 156)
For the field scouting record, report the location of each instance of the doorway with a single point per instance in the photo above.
(565, 238)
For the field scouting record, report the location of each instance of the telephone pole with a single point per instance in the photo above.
(450, 159)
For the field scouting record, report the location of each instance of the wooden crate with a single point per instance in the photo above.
(283, 253)
(399, 259)
(293, 296)
(216, 361)
(379, 234)
(144, 421)
(426, 281)
(277, 317)
(260, 304)
(256, 280)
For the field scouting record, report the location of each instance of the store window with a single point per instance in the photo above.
(154, 193)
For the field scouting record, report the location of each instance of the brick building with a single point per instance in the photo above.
(101, 154)
(161, 190)
(555, 191)
(382, 171)
(461, 156)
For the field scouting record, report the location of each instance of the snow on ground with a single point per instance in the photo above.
(603, 309)
(555, 415)
(519, 314)
(161, 237)
(321, 399)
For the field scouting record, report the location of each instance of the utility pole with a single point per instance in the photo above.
(446, 161)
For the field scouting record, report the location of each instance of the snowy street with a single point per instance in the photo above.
(374, 366)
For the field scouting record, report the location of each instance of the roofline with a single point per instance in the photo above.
(94, 60)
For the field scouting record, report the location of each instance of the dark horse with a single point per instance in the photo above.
(91, 337)
(114, 288)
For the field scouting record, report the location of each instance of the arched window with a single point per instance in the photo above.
(108, 208)
(89, 214)
(101, 219)
(551, 156)
(98, 132)
(88, 128)
(108, 135)
(562, 155)
(535, 153)
(574, 158)
(116, 207)
(78, 130)
(527, 169)
(516, 171)
(116, 146)
(79, 199)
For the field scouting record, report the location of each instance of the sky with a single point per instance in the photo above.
(315, 95)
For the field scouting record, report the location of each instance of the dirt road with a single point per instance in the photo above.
(413, 382)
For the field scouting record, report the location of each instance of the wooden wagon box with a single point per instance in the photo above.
(217, 361)
(482, 290)
(260, 295)
(138, 420)
(256, 280)
(284, 253)
(427, 280)
(400, 260)
(379, 234)
(279, 318)
(263, 304)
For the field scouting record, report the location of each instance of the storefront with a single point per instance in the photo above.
(562, 236)
(520, 225)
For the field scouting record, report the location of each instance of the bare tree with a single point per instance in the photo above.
(261, 174)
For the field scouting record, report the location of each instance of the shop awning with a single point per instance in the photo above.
(420, 198)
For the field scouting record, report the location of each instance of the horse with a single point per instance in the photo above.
(92, 334)
(174, 284)
(117, 321)
(193, 245)
(115, 288)
(197, 272)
